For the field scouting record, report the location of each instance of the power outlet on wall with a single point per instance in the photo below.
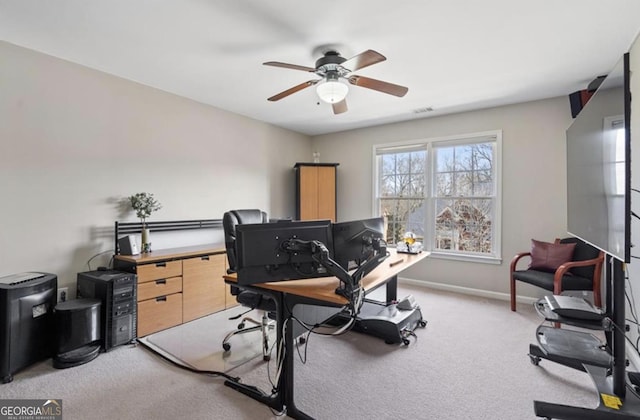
(63, 294)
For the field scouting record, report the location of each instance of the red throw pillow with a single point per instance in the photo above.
(546, 256)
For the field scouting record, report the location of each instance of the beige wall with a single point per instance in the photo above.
(74, 142)
(533, 180)
(533, 177)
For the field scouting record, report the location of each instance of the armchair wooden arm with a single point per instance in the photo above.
(518, 257)
(597, 274)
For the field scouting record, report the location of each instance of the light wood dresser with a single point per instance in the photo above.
(178, 285)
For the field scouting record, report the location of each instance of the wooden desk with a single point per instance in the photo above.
(316, 291)
(323, 289)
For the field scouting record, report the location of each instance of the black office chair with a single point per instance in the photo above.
(248, 298)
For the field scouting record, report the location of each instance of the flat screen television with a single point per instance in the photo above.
(354, 241)
(262, 255)
(599, 167)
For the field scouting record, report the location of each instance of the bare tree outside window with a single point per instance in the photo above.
(402, 193)
(456, 191)
(463, 190)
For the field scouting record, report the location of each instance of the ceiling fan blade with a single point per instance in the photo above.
(340, 107)
(379, 85)
(363, 60)
(289, 66)
(292, 90)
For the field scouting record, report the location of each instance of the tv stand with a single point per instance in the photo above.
(610, 406)
(570, 347)
(608, 371)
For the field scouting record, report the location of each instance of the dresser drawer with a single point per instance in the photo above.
(203, 291)
(160, 287)
(159, 313)
(161, 270)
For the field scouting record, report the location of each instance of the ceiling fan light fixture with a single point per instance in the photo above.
(332, 91)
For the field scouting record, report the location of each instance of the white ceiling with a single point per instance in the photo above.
(453, 55)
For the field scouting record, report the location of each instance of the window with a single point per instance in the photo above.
(614, 152)
(445, 191)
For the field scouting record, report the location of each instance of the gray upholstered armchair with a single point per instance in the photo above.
(579, 268)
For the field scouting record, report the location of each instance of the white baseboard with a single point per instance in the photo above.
(467, 290)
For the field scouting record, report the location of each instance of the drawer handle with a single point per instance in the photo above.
(161, 299)
(161, 281)
(205, 258)
(162, 264)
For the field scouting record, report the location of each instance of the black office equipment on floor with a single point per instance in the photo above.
(26, 320)
(389, 323)
(117, 292)
(78, 332)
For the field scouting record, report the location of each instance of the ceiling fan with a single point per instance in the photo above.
(332, 68)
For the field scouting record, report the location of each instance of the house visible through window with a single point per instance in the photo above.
(445, 191)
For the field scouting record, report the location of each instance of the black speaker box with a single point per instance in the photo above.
(127, 245)
(78, 329)
(578, 100)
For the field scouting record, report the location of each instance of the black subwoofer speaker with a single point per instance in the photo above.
(78, 332)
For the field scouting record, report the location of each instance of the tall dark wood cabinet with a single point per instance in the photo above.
(316, 191)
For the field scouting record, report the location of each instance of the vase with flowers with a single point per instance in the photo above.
(144, 204)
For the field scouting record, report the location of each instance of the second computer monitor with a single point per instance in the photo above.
(355, 241)
(262, 255)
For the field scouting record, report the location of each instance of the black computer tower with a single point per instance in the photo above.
(27, 328)
(117, 291)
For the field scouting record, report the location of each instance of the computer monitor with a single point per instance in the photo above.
(264, 251)
(354, 242)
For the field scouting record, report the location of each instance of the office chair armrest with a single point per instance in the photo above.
(518, 257)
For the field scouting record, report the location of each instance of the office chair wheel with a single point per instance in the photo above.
(535, 360)
(241, 326)
(226, 346)
(422, 323)
(406, 341)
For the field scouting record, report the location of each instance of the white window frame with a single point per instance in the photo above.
(428, 145)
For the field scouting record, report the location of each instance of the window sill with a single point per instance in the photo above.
(466, 258)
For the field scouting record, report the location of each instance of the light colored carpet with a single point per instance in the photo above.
(470, 362)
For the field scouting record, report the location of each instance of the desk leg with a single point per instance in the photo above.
(283, 399)
(277, 400)
(286, 383)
